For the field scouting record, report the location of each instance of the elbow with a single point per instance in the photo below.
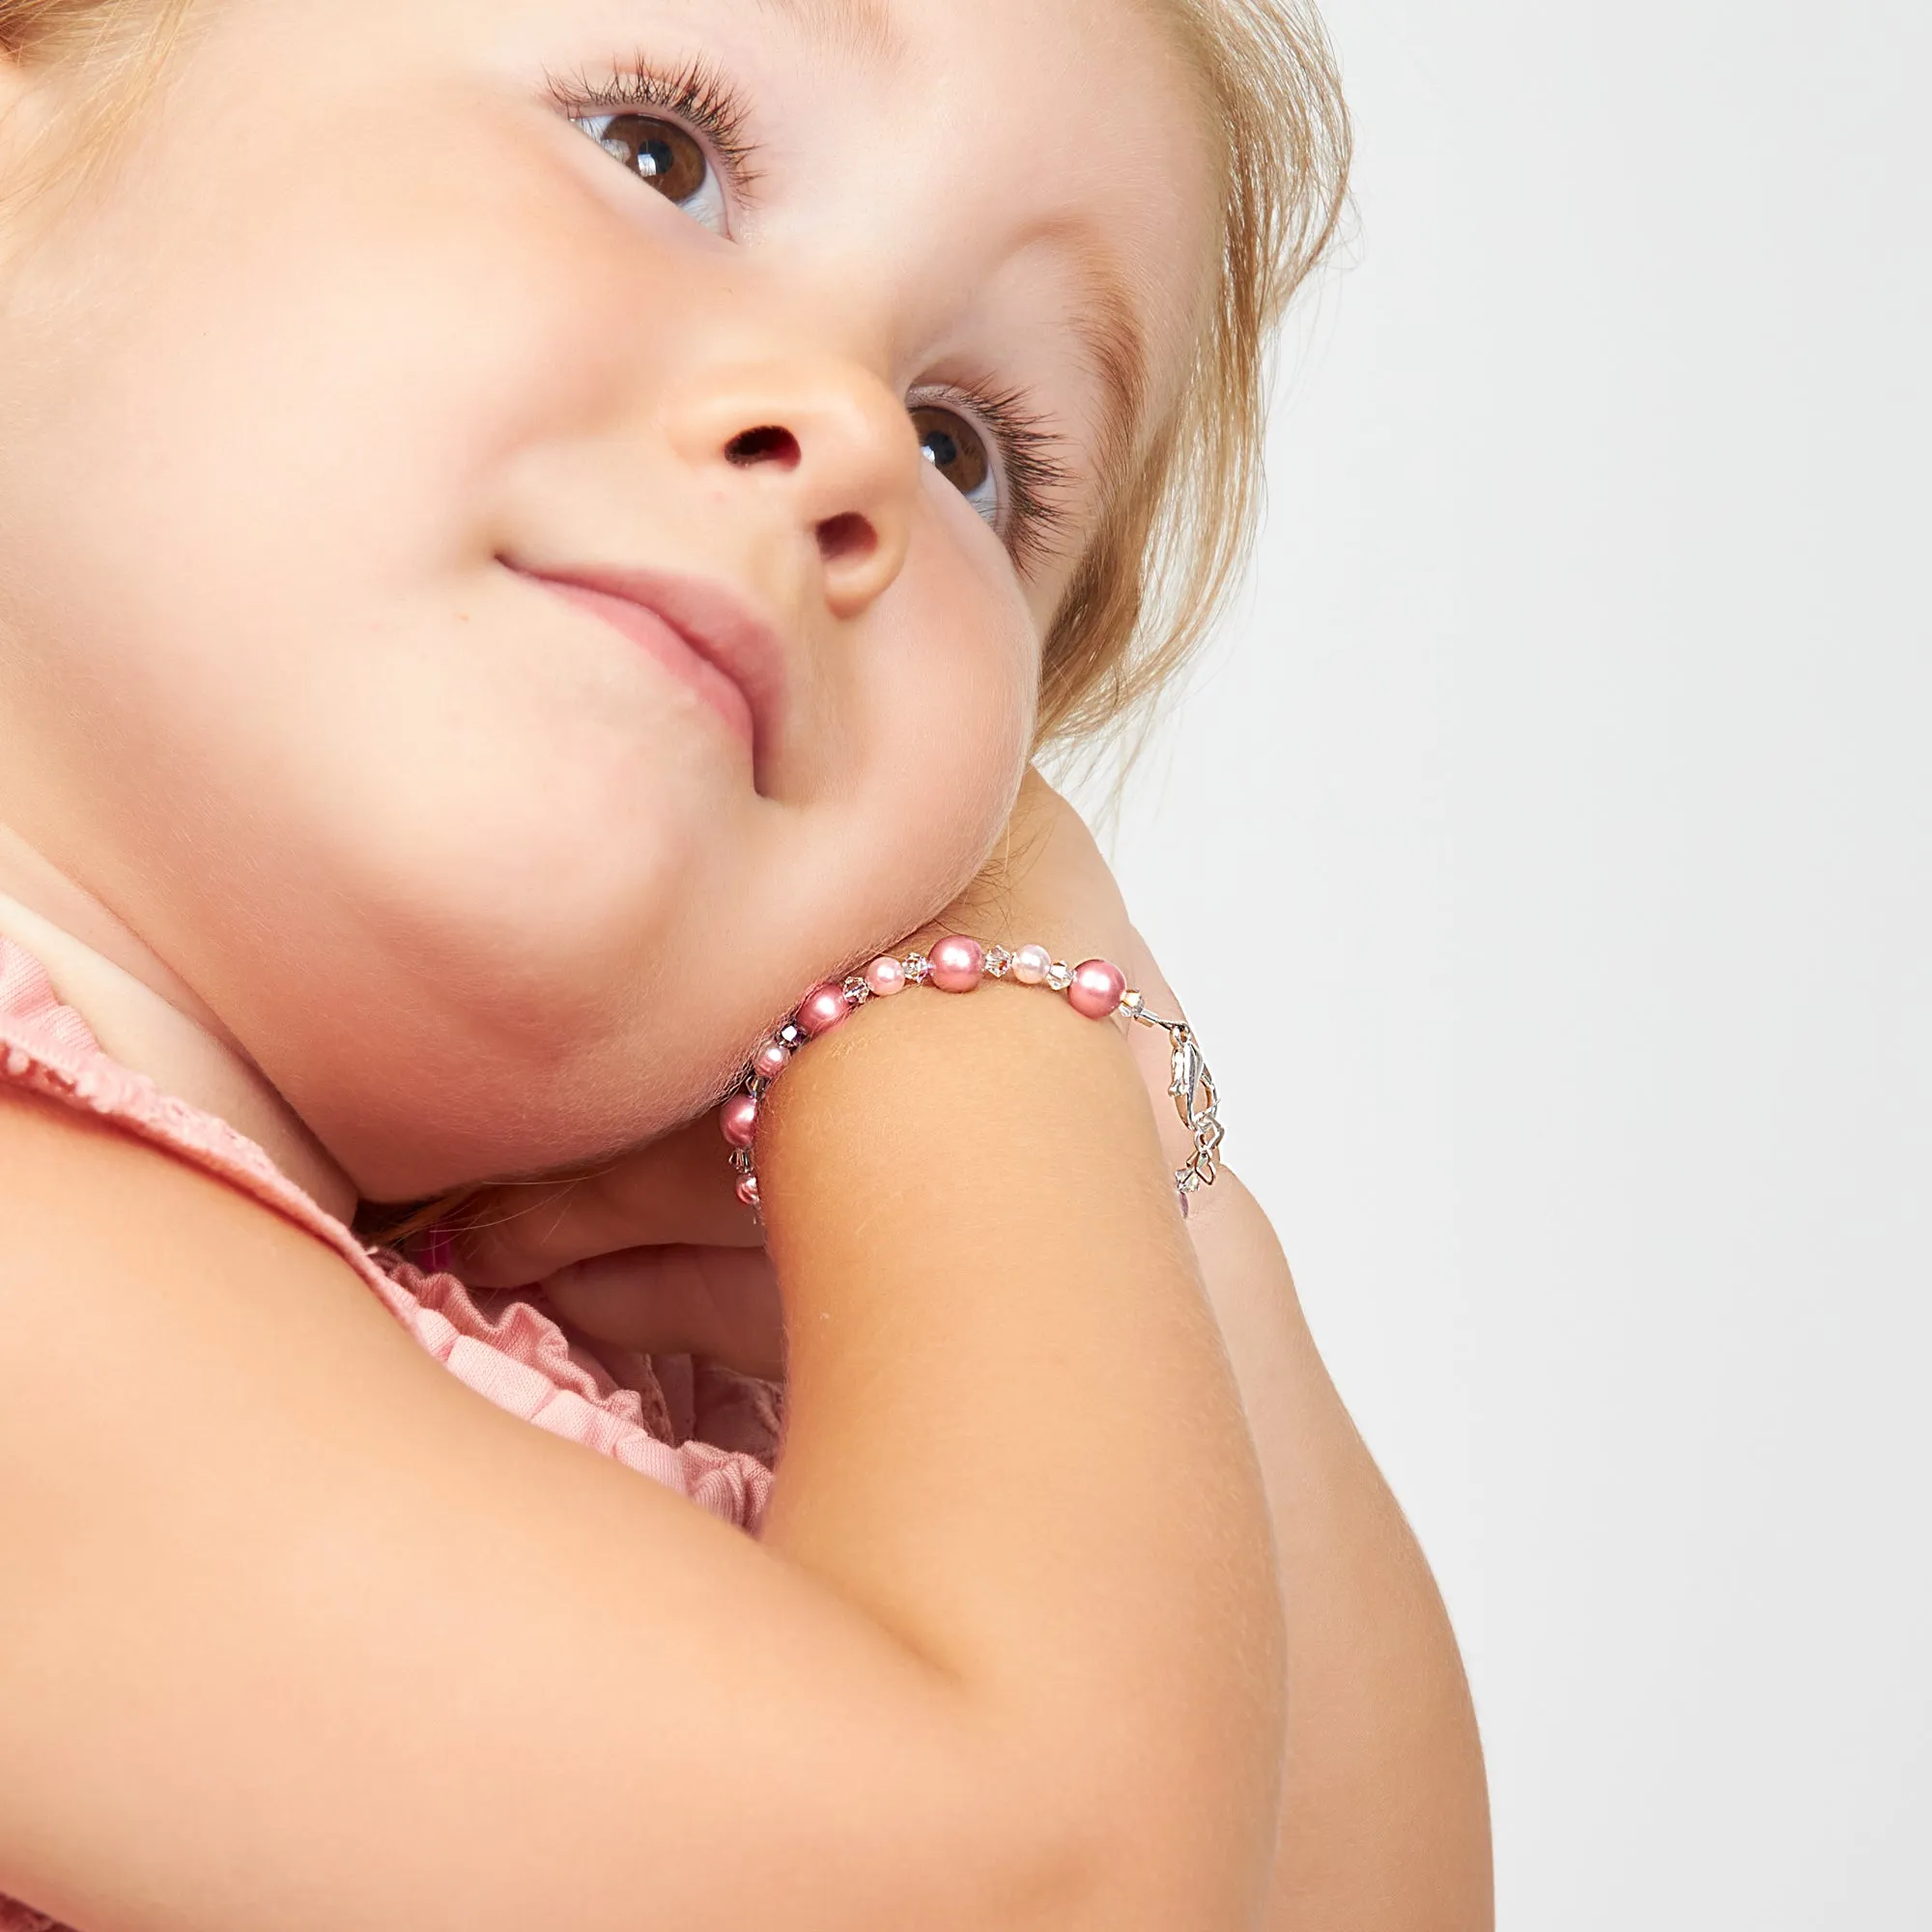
(1156, 1839)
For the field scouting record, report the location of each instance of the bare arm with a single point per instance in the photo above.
(1121, 1579)
(1384, 1823)
(1383, 1826)
(1385, 1812)
(298, 1631)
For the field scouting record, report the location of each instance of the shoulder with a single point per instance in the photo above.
(120, 1262)
(77, 1189)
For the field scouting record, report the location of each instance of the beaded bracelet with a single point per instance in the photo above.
(1097, 989)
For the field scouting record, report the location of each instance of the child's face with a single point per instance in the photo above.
(367, 337)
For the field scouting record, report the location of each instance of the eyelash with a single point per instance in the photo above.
(699, 95)
(1036, 477)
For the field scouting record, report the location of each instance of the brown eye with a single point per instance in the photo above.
(667, 155)
(958, 452)
(661, 151)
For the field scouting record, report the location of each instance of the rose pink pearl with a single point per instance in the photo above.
(1031, 964)
(886, 977)
(1098, 987)
(748, 1191)
(824, 1008)
(958, 965)
(740, 1119)
(770, 1061)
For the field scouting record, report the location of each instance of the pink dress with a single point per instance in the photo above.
(696, 1427)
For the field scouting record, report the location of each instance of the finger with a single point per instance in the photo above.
(677, 1190)
(720, 1303)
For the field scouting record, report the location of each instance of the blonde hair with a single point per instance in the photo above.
(122, 44)
(119, 49)
(1175, 535)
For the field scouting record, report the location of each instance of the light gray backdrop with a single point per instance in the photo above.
(1545, 858)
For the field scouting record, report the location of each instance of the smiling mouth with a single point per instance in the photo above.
(698, 631)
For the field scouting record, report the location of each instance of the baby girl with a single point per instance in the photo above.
(532, 534)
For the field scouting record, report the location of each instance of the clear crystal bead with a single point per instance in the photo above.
(757, 1089)
(1189, 1072)
(793, 1035)
(857, 991)
(1060, 975)
(741, 1161)
(1133, 1004)
(999, 963)
(917, 968)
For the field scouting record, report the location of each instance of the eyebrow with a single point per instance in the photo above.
(1113, 344)
(862, 26)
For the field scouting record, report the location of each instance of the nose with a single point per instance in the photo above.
(828, 446)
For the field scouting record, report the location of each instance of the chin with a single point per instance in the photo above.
(409, 1139)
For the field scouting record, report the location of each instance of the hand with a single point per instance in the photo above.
(651, 1252)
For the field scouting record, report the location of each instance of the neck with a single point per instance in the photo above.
(145, 1015)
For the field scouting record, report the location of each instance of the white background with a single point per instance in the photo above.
(1543, 856)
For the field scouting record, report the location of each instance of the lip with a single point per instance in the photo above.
(701, 633)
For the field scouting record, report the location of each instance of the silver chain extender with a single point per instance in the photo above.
(1196, 1100)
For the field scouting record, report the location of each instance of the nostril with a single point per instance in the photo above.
(770, 443)
(846, 539)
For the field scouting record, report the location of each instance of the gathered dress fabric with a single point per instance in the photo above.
(691, 1425)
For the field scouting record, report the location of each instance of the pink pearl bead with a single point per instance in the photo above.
(748, 1191)
(1031, 964)
(1098, 987)
(739, 1118)
(824, 1008)
(770, 1061)
(958, 965)
(886, 977)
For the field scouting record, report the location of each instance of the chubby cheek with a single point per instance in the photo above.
(951, 692)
